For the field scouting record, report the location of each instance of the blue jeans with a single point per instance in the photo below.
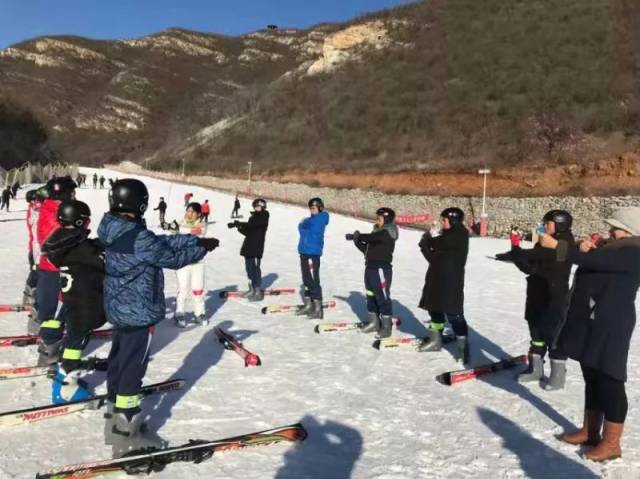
(254, 273)
(310, 268)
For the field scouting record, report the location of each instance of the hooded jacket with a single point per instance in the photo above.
(378, 246)
(312, 234)
(134, 259)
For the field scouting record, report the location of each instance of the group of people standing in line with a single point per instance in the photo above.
(591, 322)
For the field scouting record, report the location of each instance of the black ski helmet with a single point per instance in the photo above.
(387, 213)
(561, 218)
(317, 202)
(73, 213)
(259, 202)
(31, 196)
(455, 215)
(61, 188)
(195, 206)
(129, 196)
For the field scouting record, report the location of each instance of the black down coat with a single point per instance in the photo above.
(443, 290)
(81, 263)
(255, 231)
(547, 285)
(602, 313)
(378, 245)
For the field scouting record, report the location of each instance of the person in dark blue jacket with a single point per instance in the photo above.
(134, 302)
(310, 249)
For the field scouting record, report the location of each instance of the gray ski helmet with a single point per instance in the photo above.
(73, 213)
(317, 202)
(561, 218)
(387, 213)
(259, 202)
(455, 215)
(129, 196)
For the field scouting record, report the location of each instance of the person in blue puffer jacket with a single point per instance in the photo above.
(134, 303)
(310, 249)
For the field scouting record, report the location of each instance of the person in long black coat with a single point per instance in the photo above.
(547, 299)
(443, 292)
(599, 325)
(6, 198)
(255, 231)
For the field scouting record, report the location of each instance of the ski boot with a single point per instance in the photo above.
(534, 372)
(28, 296)
(33, 326)
(462, 349)
(129, 435)
(68, 387)
(180, 320)
(305, 308)
(373, 324)
(316, 311)
(49, 354)
(433, 343)
(258, 295)
(386, 323)
(202, 320)
(556, 379)
(250, 292)
(109, 421)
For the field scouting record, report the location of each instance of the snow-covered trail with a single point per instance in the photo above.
(369, 414)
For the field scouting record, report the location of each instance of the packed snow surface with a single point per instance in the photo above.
(369, 413)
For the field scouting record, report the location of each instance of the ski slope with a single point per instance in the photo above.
(369, 413)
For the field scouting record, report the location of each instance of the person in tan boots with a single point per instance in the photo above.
(598, 328)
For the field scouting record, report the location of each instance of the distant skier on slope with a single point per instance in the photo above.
(443, 293)
(378, 247)
(206, 211)
(6, 198)
(310, 248)
(95, 180)
(236, 207)
(162, 210)
(102, 180)
(255, 231)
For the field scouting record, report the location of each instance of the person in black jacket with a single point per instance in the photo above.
(162, 210)
(81, 263)
(6, 198)
(378, 247)
(443, 293)
(599, 325)
(547, 299)
(236, 207)
(252, 249)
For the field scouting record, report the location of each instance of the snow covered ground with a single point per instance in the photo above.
(369, 414)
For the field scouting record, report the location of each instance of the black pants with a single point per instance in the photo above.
(161, 215)
(47, 294)
(254, 273)
(234, 213)
(310, 268)
(457, 321)
(539, 346)
(604, 393)
(377, 282)
(4, 204)
(205, 217)
(72, 347)
(128, 361)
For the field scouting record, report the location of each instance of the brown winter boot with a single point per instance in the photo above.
(589, 435)
(609, 447)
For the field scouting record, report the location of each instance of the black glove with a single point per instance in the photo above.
(208, 243)
(231, 225)
(348, 237)
(425, 238)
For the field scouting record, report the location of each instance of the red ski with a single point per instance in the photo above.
(14, 308)
(267, 292)
(231, 343)
(30, 339)
(454, 377)
(289, 308)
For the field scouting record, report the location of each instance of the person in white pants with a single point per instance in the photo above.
(191, 278)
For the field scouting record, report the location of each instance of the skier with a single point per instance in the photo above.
(310, 248)
(162, 210)
(51, 326)
(81, 263)
(34, 201)
(378, 247)
(134, 302)
(95, 180)
(79, 180)
(101, 181)
(111, 182)
(547, 296)
(14, 190)
(6, 198)
(599, 325)
(252, 249)
(515, 237)
(191, 277)
(187, 199)
(443, 293)
(236, 207)
(206, 210)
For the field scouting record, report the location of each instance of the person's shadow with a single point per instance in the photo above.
(197, 362)
(330, 451)
(537, 460)
(269, 280)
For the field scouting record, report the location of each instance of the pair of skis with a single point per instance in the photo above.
(346, 326)
(14, 308)
(267, 292)
(291, 308)
(31, 339)
(232, 344)
(91, 364)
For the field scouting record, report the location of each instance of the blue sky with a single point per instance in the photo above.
(24, 19)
